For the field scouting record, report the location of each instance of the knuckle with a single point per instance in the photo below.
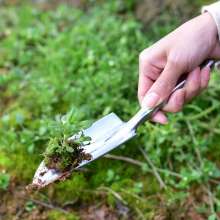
(174, 60)
(176, 103)
(163, 88)
(194, 91)
(174, 109)
(143, 56)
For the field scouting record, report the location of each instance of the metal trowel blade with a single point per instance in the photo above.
(99, 132)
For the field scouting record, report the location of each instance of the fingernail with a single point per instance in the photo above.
(164, 121)
(210, 64)
(150, 100)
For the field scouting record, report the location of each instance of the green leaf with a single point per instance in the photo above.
(4, 180)
(212, 217)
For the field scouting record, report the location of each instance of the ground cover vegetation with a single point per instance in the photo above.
(61, 60)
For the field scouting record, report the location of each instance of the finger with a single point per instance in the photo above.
(160, 117)
(215, 54)
(193, 83)
(143, 86)
(176, 101)
(163, 86)
(205, 77)
(147, 74)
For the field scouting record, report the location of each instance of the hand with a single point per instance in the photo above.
(181, 51)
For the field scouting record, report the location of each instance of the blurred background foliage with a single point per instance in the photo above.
(83, 55)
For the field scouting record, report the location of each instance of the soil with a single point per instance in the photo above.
(65, 155)
(14, 206)
(14, 202)
(62, 155)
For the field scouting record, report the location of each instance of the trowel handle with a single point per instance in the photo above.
(209, 63)
(145, 113)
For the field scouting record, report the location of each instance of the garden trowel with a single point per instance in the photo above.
(106, 134)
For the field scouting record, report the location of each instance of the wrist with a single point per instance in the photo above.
(214, 11)
(210, 25)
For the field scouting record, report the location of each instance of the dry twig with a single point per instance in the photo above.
(154, 169)
(141, 164)
(126, 159)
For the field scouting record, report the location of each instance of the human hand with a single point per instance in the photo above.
(180, 52)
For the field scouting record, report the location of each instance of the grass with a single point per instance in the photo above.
(55, 61)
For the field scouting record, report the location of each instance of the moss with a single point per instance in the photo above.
(54, 215)
(5, 162)
(63, 154)
(77, 181)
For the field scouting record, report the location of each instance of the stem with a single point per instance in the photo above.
(154, 169)
(141, 164)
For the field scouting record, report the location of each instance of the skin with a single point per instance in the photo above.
(180, 52)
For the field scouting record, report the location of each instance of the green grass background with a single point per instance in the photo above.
(55, 60)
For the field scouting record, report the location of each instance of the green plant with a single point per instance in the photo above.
(54, 215)
(57, 60)
(4, 180)
(63, 153)
(30, 206)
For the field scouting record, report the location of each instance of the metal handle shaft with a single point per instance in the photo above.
(145, 113)
(209, 64)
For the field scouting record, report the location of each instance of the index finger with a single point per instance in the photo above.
(148, 73)
(144, 85)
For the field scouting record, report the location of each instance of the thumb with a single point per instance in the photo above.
(163, 86)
